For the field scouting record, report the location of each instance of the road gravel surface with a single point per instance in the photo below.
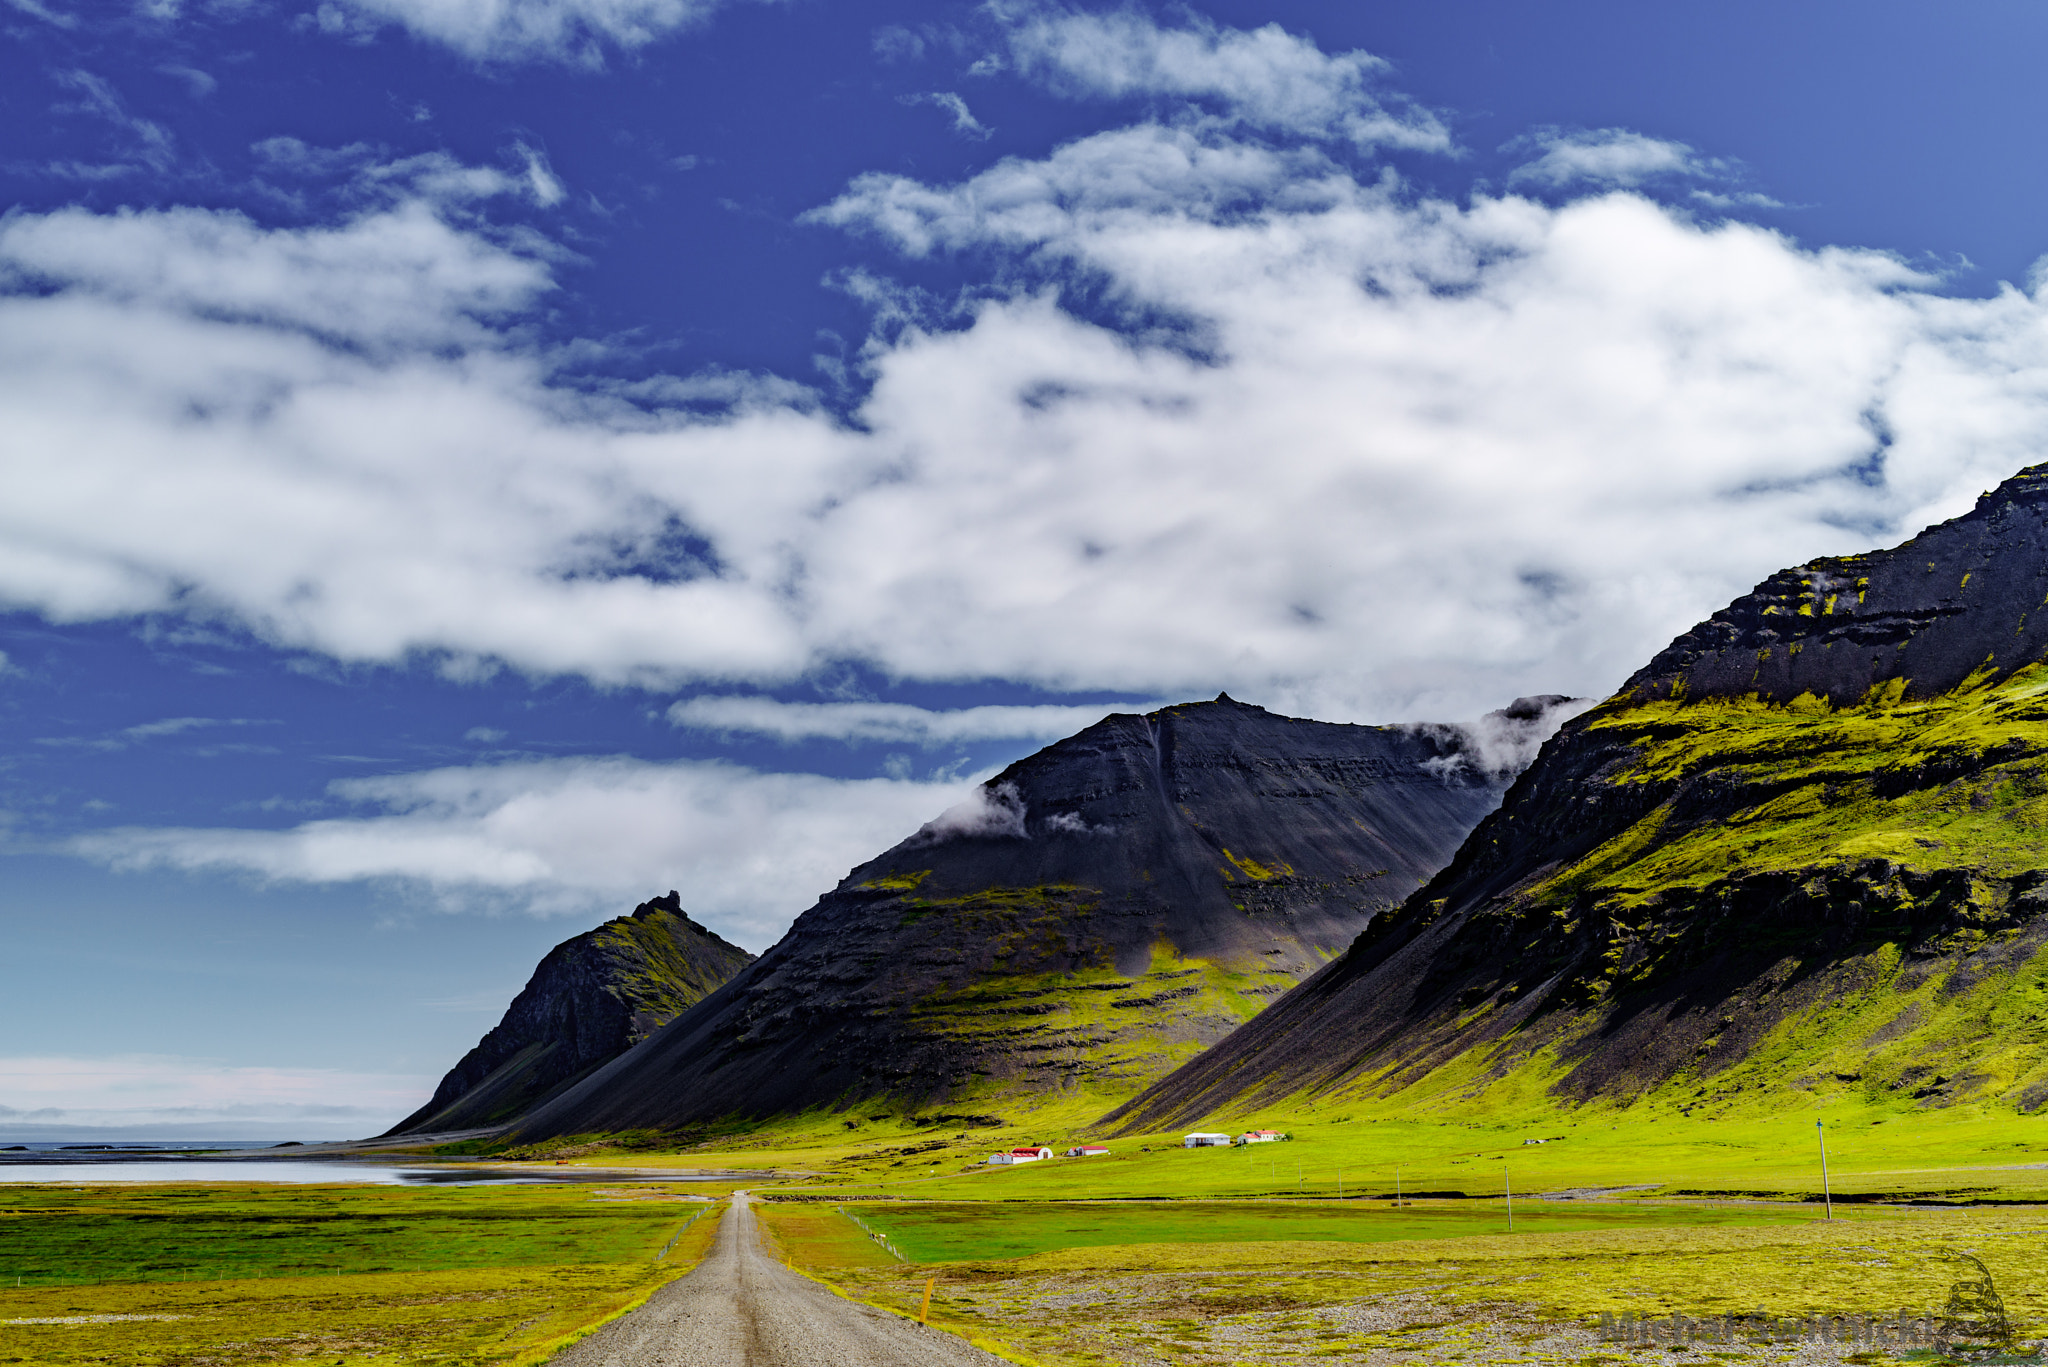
(741, 1308)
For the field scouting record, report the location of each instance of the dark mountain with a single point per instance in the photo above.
(1096, 914)
(1806, 847)
(591, 999)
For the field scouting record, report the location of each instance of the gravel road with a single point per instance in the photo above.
(741, 1308)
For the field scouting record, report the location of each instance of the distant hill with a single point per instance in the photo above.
(591, 999)
(1099, 912)
(1803, 852)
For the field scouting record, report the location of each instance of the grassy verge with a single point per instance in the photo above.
(173, 1275)
(1527, 1298)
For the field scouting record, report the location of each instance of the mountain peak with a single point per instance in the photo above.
(1094, 914)
(592, 998)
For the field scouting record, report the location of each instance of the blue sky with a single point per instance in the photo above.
(475, 464)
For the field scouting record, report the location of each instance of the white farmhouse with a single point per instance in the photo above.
(1202, 1140)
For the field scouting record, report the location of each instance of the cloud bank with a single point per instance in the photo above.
(1225, 410)
(505, 31)
(52, 1096)
(584, 837)
(1265, 78)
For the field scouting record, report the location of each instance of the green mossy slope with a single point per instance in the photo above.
(1805, 851)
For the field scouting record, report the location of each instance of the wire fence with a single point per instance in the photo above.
(874, 1234)
(677, 1237)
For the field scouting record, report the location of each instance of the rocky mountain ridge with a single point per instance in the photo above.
(1098, 912)
(1806, 847)
(590, 1000)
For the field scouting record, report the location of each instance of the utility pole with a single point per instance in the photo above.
(1397, 1186)
(1509, 1187)
(1825, 1194)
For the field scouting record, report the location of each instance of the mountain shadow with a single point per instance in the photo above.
(1805, 849)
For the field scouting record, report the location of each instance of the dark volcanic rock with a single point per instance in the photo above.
(1819, 803)
(591, 999)
(1102, 910)
(1958, 599)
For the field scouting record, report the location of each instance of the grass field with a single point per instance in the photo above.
(818, 1236)
(975, 1231)
(1958, 1154)
(1888, 1149)
(1527, 1298)
(1162, 1255)
(230, 1274)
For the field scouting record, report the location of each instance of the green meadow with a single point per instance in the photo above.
(53, 1236)
(1534, 1297)
(1217, 1257)
(977, 1231)
(1956, 1155)
(161, 1275)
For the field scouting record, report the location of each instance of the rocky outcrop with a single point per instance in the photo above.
(590, 1000)
(1803, 847)
(1096, 914)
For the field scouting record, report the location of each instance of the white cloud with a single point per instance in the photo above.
(895, 43)
(1506, 741)
(160, 1091)
(143, 142)
(45, 13)
(199, 84)
(1265, 78)
(398, 277)
(541, 182)
(1337, 447)
(747, 850)
(984, 813)
(363, 174)
(146, 731)
(892, 723)
(527, 30)
(1148, 174)
(964, 122)
(1607, 158)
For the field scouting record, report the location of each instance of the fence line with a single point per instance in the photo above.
(874, 1234)
(668, 1247)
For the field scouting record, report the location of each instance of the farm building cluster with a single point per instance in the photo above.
(1032, 1154)
(1203, 1139)
(1200, 1139)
